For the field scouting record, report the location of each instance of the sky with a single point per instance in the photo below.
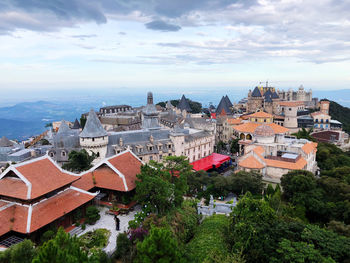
(167, 45)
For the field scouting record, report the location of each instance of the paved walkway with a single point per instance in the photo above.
(107, 221)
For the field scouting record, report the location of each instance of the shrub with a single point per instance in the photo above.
(123, 245)
(92, 215)
(97, 238)
(49, 234)
(22, 252)
(83, 226)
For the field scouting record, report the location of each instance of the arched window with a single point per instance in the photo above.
(98, 154)
(316, 120)
(327, 121)
(321, 120)
(93, 139)
(248, 137)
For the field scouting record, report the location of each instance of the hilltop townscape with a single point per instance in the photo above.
(262, 179)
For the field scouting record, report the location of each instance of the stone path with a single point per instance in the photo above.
(107, 221)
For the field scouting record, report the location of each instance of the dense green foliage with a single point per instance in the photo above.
(218, 185)
(92, 215)
(22, 252)
(161, 186)
(97, 238)
(159, 246)
(79, 161)
(340, 113)
(262, 234)
(209, 239)
(63, 248)
(304, 134)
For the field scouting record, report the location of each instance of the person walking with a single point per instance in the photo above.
(117, 223)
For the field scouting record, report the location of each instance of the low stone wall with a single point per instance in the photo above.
(216, 207)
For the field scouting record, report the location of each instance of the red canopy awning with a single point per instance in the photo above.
(207, 163)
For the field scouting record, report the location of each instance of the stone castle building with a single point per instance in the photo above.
(153, 142)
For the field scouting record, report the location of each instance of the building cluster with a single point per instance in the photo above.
(157, 137)
(38, 195)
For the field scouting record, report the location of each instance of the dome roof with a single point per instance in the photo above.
(264, 131)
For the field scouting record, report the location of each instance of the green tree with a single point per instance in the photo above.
(79, 161)
(83, 121)
(179, 169)
(301, 189)
(290, 251)
(22, 252)
(92, 214)
(154, 189)
(234, 146)
(63, 248)
(304, 134)
(252, 222)
(159, 246)
(242, 182)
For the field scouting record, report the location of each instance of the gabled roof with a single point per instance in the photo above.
(291, 103)
(223, 107)
(4, 142)
(260, 114)
(76, 125)
(183, 104)
(34, 178)
(229, 103)
(250, 127)
(93, 127)
(256, 92)
(115, 173)
(309, 147)
(232, 121)
(252, 163)
(29, 218)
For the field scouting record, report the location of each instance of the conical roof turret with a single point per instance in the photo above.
(93, 127)
(184, 105)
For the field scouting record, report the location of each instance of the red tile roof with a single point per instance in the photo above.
(57, 206)
(43, 177)
(251, 162)
(110, 174)
(16, 217)
(291, 103)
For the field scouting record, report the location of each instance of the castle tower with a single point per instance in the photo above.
(150, 114)
(290, 110)
(324, 106)
(255, 101)
(94, 138)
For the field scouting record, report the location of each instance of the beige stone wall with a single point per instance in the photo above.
(200, 148)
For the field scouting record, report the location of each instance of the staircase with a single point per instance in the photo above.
(76, 231)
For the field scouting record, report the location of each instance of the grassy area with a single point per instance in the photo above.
(209, 240)
(97, 238)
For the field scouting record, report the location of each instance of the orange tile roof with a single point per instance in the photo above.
(298, 165)
(250, 127)
(105, 177)
(260, 114)
(291, 103)
(14, 217)
(234, 121)
(13, 187)
(55, 207)
(129, 166)
(259, 150)
(251, 162)
(309, 147)
(43, 175)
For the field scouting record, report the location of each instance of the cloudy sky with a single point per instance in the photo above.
(174, 43)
